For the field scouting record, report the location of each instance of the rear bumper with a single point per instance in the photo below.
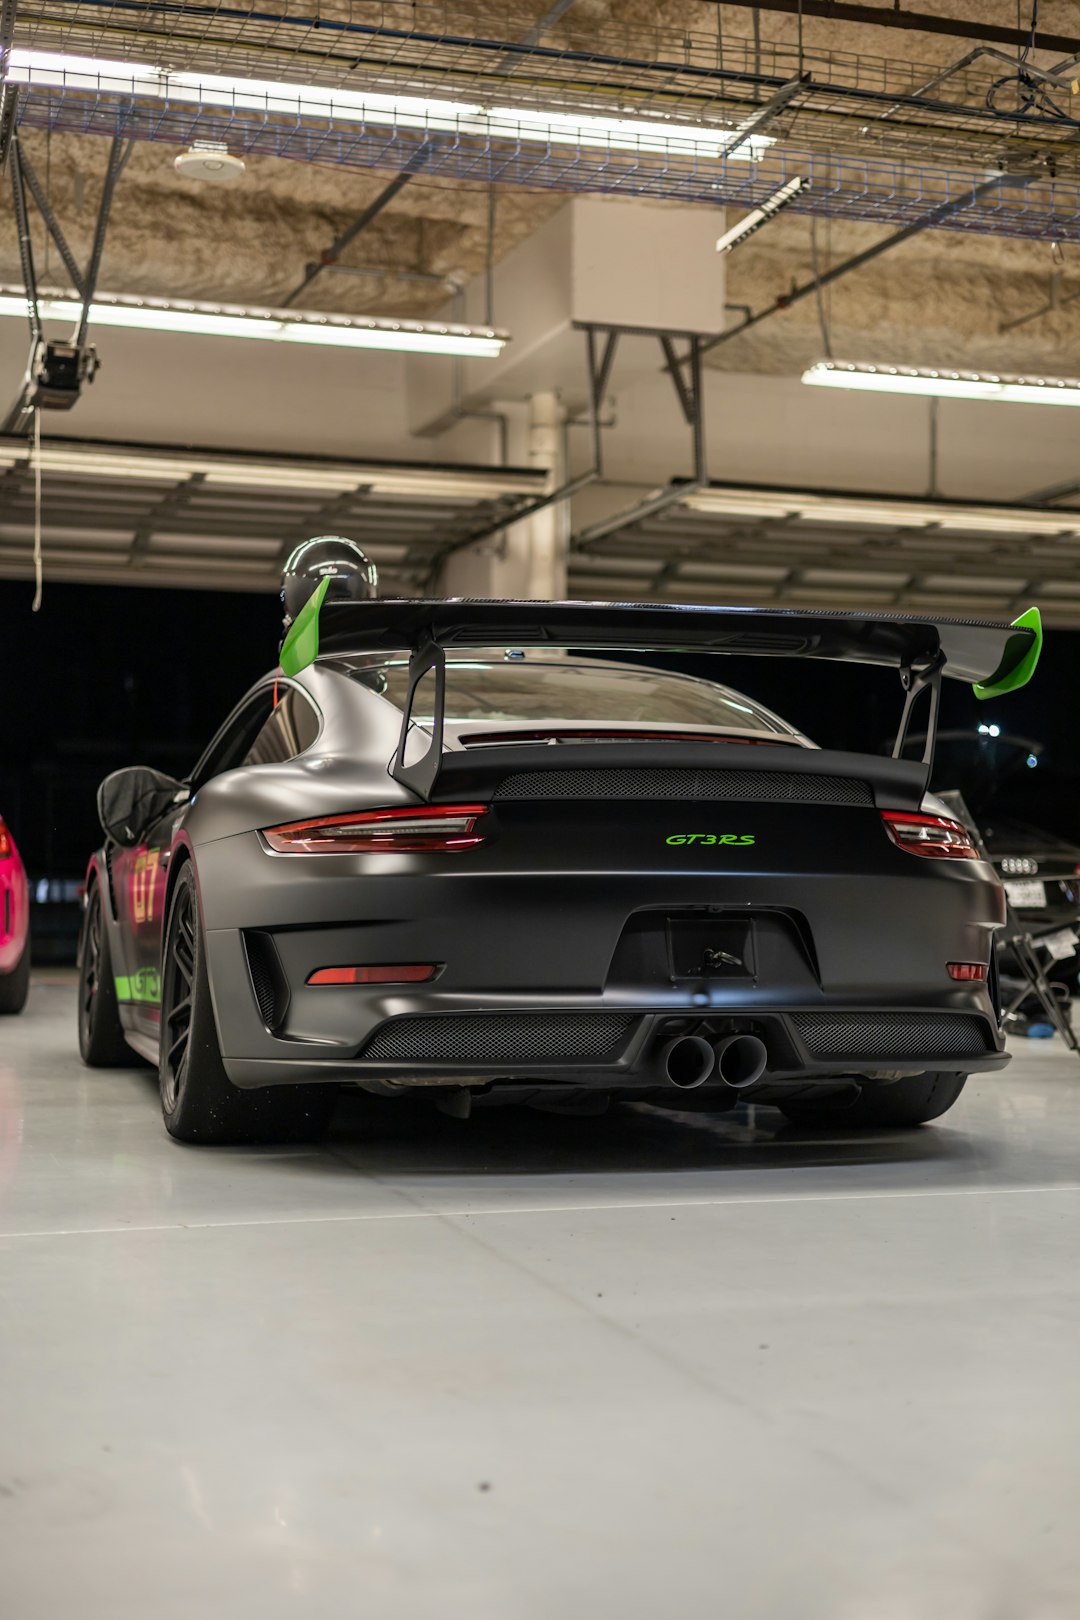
(621, 1048)
(540, 947)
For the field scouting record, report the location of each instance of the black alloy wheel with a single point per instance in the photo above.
(893, 1105)
(198, 1100)
(177, 996)
(101, 1034)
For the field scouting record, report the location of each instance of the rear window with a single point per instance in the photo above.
(583, 693)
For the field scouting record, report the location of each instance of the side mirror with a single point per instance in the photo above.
(130, 801)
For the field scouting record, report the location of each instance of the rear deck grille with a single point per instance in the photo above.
(894, 1035)
(501, 1038)
(674, 782)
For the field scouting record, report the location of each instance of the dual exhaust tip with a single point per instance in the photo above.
(736, 1060)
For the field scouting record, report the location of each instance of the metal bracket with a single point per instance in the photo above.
(45, 209)
(600, 365)
(688, 388)
(915, 682)
(601, 358)
(421, 775)
(56, 371)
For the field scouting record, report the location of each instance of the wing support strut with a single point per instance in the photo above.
(916, 681)
(427, 659)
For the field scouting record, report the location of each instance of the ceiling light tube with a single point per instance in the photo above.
(862, 511)
(757, 217)
(267, 325)
(944, 384)
(51, 70)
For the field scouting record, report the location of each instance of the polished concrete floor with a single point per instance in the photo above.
(648, 1366)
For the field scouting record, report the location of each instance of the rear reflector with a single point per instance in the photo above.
(441, 827)
(967, 972)
(5, 841)
(408, 973)
(929, 835)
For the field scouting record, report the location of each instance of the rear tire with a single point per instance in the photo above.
(15, 986)
(101, 1034)
(899, 1104)
(199, 1102)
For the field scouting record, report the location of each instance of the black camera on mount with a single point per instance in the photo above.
(56, 375)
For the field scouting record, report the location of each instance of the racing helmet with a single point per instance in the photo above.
(353, 577)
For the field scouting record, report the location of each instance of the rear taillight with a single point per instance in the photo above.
(929, 835)
(442, 827)
(5, 842)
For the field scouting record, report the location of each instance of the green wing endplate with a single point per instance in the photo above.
(301, 646)
(1019, 660)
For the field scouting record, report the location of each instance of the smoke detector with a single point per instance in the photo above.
(209, 160)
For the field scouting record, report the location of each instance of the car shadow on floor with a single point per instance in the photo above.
(414, 1139)
(387, 1138)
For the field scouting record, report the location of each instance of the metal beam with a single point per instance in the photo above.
(599, 372)
(26, 246)
(921, 22)
(552, 15)
(372, 211)
(855, 262)
(119, 153)
(1056, 492)
(45, 209)
(8, 92)
(9, 98)
(692, 404)
(19, 416)
(765, 114)
(1058, 76)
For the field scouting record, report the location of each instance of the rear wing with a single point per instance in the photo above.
(994, 658)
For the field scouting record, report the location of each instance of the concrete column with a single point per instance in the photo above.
(528, 560)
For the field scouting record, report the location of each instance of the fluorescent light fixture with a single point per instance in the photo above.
(757, 217)
(268, 325)
(45, 69)
(944, 384)
(623, 134)
(263, 475)
(863, 511)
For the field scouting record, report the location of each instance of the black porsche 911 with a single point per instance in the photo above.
(531, 875)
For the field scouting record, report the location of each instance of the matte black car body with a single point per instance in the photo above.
(586, 932)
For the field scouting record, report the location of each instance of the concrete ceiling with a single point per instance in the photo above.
(940, 297)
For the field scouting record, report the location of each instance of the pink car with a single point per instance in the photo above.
(14, 927)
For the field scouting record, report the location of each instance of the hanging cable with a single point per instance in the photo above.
(39, 563)
(823, 319)
(489, 260)
(1031, 93)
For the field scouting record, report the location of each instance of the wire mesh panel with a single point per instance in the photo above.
(646, 111)
(910, 1035)
(719, 786)
(582, 1037)
(490, 151)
